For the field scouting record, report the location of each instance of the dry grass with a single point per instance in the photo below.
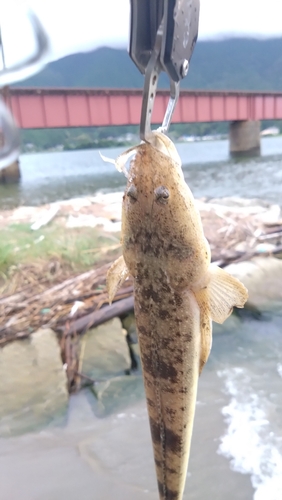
(50, 253)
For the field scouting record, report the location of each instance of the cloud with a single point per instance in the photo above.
(88, 24)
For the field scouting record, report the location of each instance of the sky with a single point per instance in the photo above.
(81, 25)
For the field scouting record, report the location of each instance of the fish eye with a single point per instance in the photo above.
(132, 193)
(162, 194)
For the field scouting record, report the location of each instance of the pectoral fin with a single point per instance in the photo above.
(216, 301)
(206, 327)
(116, 276)
(224, 293)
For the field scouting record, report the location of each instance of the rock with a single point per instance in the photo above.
(104, 351)
(129, 324)
(262, 277)
(10, 174)
(33, 388)
(117, 393)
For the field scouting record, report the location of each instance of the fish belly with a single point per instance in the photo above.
(168, 324)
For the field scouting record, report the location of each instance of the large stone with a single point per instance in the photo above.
(263, 277)
(10, 174)
(104, 351)
(33, 390)
(118, 393)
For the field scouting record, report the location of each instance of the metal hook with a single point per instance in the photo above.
(152, 74)
(29, 66)
(174, 96)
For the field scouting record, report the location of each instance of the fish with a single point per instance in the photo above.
(177, 295)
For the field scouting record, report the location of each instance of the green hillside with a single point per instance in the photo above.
(241, 63)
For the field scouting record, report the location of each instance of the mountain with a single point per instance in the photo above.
(236, 63)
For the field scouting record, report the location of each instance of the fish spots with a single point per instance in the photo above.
(143, 305)
(160, 465)
(143, 330)
(178, 299)
(149, 293)
(162, 490)
(142, 272)
(164, 314)
(169, 388)
(173, 442)
(151, 245)
(166, 342)
(178, 358)
(167, 371)
(148, 365)
(158, 368)
(167, 494)
(187, 337)
(170, 413)
(156, 431)
(171, 495)
(150, 403)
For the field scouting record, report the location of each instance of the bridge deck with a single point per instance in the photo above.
(54, 108)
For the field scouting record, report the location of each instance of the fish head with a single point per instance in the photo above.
(160, 220)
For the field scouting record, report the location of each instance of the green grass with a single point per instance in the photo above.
(77, 249)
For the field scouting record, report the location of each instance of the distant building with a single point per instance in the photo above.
(270, 131)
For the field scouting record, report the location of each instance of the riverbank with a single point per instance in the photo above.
(75, 230)
(53, 291)
(54, 258)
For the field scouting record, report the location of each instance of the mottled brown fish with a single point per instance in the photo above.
(177, 294)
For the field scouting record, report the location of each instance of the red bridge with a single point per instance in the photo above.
(53, 108)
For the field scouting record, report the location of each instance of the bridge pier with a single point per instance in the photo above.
(10, 174)
(244, 138)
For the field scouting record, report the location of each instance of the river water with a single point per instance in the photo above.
(208, 170)
(237, 443)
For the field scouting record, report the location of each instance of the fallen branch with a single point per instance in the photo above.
(104, 314)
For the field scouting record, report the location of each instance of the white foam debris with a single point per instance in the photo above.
(279, 369)
(250, 444)
(77, 305)
(46, 217)
(88, 220)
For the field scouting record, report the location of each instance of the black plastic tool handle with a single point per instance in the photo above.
(145, 18)
(179, 33)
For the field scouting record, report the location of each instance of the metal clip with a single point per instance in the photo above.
(163, 36)
(152, 73)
